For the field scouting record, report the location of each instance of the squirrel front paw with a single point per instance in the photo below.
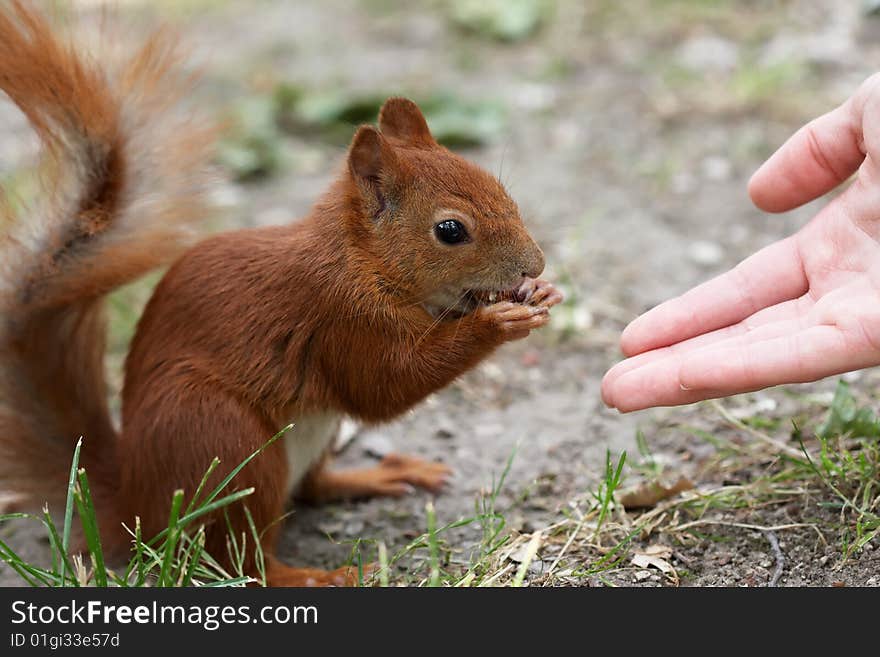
(538, 292)
(515, 320)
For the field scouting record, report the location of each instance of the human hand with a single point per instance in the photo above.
(799, 310)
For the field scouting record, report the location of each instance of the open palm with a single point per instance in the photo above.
(800, 309)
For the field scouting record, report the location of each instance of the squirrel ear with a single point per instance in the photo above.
(402, 119)
(369, 157)
(369, 154)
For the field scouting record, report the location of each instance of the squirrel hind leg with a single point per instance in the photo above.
(279, 574)
(394, 476)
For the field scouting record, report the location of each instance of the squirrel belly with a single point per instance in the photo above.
(412, 268)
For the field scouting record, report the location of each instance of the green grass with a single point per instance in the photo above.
(833, 476)
(174, 557)
(748, 474)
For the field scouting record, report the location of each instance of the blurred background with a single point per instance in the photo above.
(626, 131)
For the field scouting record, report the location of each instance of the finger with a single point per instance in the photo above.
(772, 275)
(539, 294)
(780, 312)
(815, 160)
(808, 355)
(552, 298)
(659, 382)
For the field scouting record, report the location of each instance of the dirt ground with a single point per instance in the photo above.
(630, 132)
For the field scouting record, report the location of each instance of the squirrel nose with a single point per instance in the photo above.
(534, 263)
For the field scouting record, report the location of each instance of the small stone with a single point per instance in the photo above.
(331, 528)
(489, 430)
(354, 527)
(642, 575)
(707, 254)
(717, 169)
(852, 377)
(534, 97)
(226, 196)
(683, 183)
(445, 428)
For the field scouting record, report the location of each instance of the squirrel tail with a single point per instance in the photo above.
(122, 181)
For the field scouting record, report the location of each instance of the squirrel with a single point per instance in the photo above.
(413, 267)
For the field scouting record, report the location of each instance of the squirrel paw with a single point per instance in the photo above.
(398, 475)
(515, 320)
(280, 575)
(538, 292)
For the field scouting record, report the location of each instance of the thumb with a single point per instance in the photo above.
(816, 159)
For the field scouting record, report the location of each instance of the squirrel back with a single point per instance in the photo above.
(122, 182)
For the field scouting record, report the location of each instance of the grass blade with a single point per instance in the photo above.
(68, 508)
(86, 507)
(165, 577)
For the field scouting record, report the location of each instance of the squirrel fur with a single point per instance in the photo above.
(359, 309)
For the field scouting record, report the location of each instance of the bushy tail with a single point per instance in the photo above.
(122, 182)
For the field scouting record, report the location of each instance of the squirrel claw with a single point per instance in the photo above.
(398, 474)
(538, 292)
(514, 320)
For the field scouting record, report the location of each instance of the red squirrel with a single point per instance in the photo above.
(412, 268)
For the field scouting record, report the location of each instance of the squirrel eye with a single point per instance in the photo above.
(450, 232)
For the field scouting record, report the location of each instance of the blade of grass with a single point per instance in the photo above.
(433, 546)
(57, 545)
(165, 576)
(198, 546)
(259, 557)
(86, 508)
(241, 465)
(531, 551)
(202, 484)
(68, 507)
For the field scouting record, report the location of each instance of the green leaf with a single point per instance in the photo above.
(504, 20)
(252, 149)
(846, 418)
(454, 122)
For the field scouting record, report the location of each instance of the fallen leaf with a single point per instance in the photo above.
(656, 556)
(662, 551)
(648, 495)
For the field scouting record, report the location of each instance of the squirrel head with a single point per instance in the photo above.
(443, 232)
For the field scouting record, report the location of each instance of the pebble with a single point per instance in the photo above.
(354, 528)
(226, 196)
(706, 254)
(535, 97)
(717, 169)
(445, 428)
